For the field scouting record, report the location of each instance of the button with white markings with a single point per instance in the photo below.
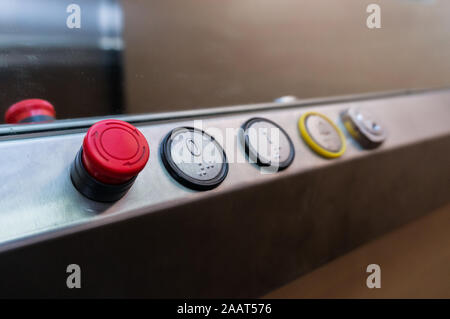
(194, 158)
(267, 144)
(322, 135)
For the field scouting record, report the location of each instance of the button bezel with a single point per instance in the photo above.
(93, 189)
(179, 175)
(360, 132)
(310, 141)
(250, 152)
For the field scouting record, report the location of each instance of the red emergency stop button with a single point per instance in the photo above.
(113, 154)
(30, 111)
(114, 151)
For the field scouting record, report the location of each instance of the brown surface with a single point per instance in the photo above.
(189, 54)
(248, 241)
(414, 261)
(185, 54)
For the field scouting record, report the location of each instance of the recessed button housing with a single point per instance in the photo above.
(364, 127)
(194, 158)
(322, 135)
(267, 144)
(113, 154)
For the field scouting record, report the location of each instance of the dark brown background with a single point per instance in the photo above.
(414, 261)
(193, 54)
(188, 54)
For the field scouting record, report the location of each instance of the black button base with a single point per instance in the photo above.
(179, 175)
(254, 154)
(37, 119)
(93, 189)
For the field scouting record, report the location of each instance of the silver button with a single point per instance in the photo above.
(323, 133)
(194, 158)
(364, 127)
(267, 144)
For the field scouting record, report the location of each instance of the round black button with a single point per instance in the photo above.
(194, 158)
(267, 144)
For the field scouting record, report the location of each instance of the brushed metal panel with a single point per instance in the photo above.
(40, 196)
(254, 232)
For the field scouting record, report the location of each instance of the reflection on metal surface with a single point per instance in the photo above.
(41, 24)
(182, 56)
(78, 70)
(68, 125)
(30, 111)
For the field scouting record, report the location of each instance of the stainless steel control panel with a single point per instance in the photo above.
(38, 200)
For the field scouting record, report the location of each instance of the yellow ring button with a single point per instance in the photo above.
(322, 135)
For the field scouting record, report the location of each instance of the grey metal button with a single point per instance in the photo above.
(267, 144)
(194, 158)
(323, 133)
(364, 127)
(286, 99)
